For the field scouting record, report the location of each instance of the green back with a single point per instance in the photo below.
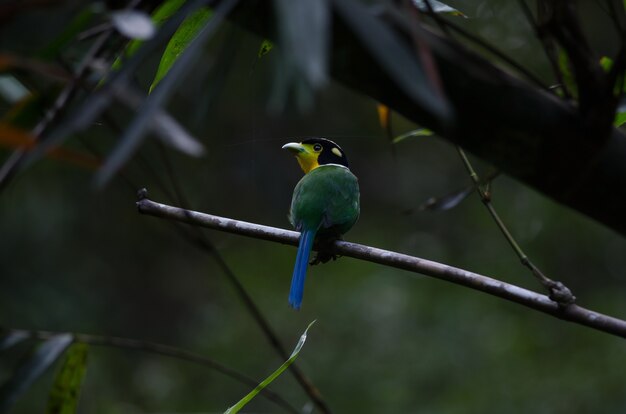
(327, 198)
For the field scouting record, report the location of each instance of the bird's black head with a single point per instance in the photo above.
(313, 152)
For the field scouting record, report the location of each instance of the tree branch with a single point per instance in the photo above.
(525, 297)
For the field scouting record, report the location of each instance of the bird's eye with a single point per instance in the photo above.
(317, 147)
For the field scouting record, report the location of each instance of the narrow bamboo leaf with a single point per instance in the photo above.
(620, 118)
(438, 7)
(179, 42)
(448, 201)
(304, 33)
(133, 24)
(11, 339)
(421, 132)
(266, 46)
(65, 390)
(11, 89)
(245, 400)
(27, 372)
(384, 115)
(566, 73)
(394, 56)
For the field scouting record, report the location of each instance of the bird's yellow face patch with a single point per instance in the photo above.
(306, 154)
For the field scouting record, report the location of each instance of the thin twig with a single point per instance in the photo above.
(558, 291)
(160, 349)
(548, 47)
(525, 297)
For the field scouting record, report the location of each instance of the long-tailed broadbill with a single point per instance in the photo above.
(325, 202)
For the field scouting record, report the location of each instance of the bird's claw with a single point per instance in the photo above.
(323, 257)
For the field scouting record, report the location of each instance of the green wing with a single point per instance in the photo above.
(327, 199)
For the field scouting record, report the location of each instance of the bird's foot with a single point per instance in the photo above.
(323, 257)
(324, 252)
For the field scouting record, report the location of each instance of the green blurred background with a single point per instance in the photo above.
(73, 258)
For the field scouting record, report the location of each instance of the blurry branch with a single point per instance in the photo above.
(558, 291)
(530, 299)
(160, 349)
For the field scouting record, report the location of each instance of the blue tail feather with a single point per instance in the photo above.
(299, 271)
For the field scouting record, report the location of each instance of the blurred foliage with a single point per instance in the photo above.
(74, 259)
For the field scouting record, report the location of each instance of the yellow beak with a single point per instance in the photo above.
(294, 147)
(307, 158)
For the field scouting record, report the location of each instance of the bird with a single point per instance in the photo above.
(325, 203)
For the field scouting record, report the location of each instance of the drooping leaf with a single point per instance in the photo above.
(133, 24)
(384, 115)
(438, 7)
(264, 49)
(180, 41)
(566, 74)
(11, 339)
(245, 400)
(31, 368)
(65, 390)
(394, 55)
(446, 202)
(620, 118)
(304, 33)
(420, 132)
(11, 89)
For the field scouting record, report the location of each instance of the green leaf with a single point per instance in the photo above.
(606, 63)
(566, 73)
(179, 42)
(162, 13)
(30, 369)
(438, 7)
(265, 48)
(245, 400)
(421, 132)
(620, 118)
(65, 390)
